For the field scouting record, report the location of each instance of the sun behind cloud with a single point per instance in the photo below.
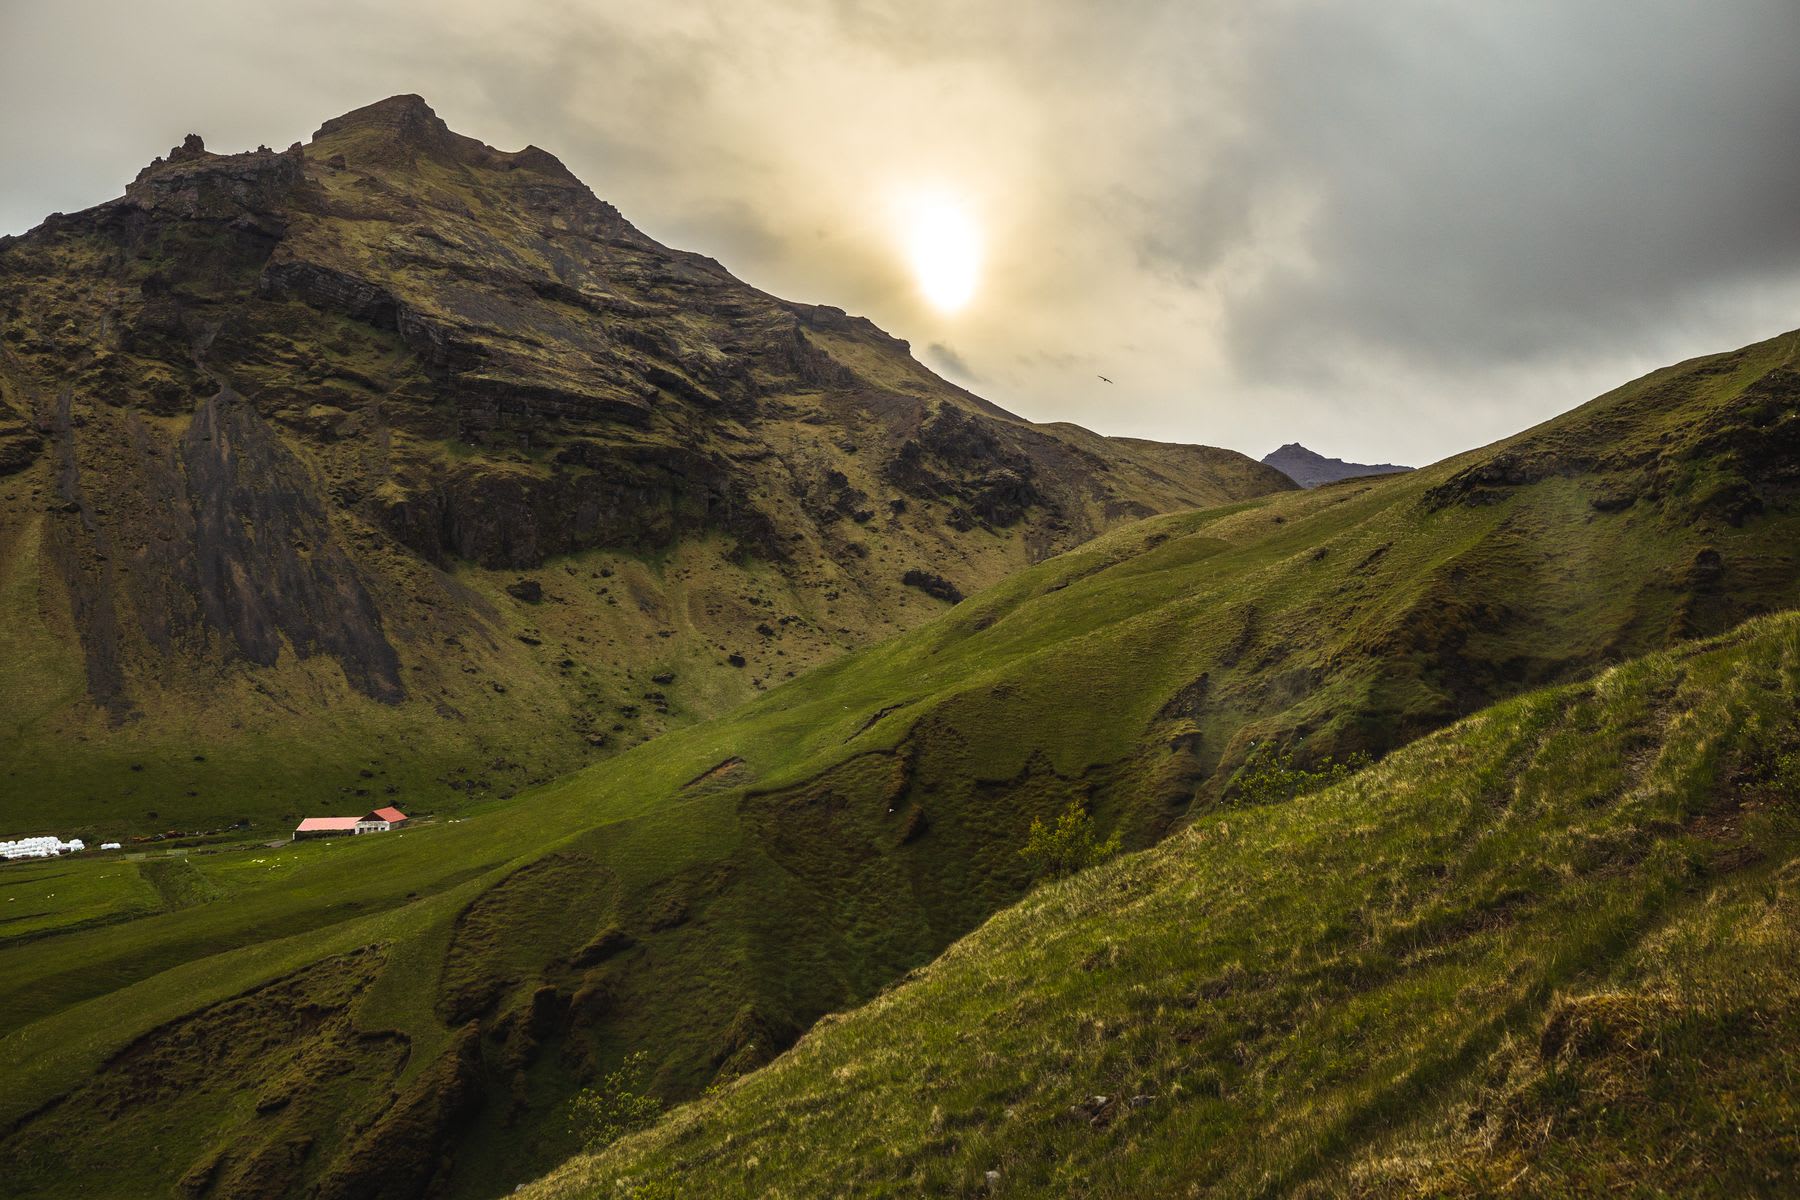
(944, 247)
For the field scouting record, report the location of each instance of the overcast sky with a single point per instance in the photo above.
(1392, 230)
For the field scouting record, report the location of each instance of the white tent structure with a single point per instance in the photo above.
(41, 847)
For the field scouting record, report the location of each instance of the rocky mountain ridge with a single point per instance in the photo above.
(283, 434)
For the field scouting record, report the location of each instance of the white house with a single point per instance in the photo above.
(380, 821)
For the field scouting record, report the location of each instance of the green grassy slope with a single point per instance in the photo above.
(708, 895)
(1551, 950)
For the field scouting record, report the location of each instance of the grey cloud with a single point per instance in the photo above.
(1502, 183)
(948, 362)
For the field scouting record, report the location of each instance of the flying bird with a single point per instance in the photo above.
(1102, 379)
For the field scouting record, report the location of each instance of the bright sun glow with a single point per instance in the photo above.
(945, 249)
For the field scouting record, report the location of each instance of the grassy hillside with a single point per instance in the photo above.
(394, 466)
(705, 897)
(1551, 949)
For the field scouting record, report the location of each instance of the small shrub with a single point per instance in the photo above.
(1269, 775)
(1066, 847)
(1787, 774)
(602, 1115)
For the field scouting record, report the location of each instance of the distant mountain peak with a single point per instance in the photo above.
(1309, 468)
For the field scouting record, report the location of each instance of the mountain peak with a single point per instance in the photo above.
(400, 128)
(1309, 468)
(406, 119)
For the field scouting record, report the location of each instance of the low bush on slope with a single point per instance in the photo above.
(1552, 946)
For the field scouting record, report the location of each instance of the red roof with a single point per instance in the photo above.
(324, 824)
(390, 815)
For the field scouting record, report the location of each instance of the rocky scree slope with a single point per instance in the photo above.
(707, 896)
(393, 465)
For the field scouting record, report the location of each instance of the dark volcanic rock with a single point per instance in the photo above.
(251, 190)
(957, 458)
(1707, 569)
(20, 443)
(227, 544)
(80, 547)
(267, 566)
(1492, 481)
(932, 585)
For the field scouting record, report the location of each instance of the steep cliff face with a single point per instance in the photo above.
(415, 461)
